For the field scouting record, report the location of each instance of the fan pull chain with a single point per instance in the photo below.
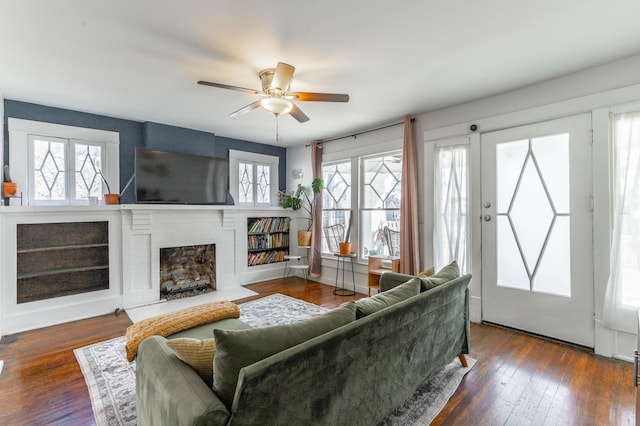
(277, 131)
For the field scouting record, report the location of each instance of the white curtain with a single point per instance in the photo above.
(622, 299)
(451, 216)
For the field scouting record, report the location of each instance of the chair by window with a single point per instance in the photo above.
(334, 235)
(393, 241)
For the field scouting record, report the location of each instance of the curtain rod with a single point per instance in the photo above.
(354, 135)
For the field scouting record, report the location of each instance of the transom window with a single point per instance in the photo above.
(65, 170)
(55, 164)
(253, 178)
(254, 183)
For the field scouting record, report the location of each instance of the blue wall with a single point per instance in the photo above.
(134, 134)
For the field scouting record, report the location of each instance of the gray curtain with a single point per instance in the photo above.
(409, 247)
(315, 259)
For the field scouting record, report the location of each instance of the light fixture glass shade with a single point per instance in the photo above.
(276, 105)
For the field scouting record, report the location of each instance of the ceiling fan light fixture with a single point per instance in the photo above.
(276, 105)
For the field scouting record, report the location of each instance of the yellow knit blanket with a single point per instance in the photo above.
(167, 324)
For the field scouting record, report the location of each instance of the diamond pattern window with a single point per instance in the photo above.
(65, 171)
(381, 178)
(336, 197)
(533, 214)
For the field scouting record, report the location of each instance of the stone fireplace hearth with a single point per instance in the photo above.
(187, 271)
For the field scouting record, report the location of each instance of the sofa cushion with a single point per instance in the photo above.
(426, 272)
(236, 349)
(380, 301)
(448, 273)
(197, 353)
(205, 331)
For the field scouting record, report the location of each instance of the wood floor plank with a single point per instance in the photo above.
(518, 379)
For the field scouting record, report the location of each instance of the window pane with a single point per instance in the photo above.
(373, 240)
(330, 218)
(451, 221)
(381, 177)
(245, 179)
(49, 170)
(381, 188)
(88, 160)
(336, 200)
(337, 186)
(263, 186)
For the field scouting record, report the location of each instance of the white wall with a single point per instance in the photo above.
(597, 91)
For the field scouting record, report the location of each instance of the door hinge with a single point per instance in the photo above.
(592, 203)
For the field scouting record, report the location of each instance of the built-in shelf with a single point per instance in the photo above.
(267, 240)
(56, 248)
(61, 259)
(61, 271)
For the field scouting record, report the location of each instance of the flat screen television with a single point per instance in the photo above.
(175, 178)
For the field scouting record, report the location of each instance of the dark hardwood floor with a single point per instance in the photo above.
(518, 379)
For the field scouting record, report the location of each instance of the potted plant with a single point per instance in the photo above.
(345, 246)
(9, 188)
(109, 198)
(301, 200)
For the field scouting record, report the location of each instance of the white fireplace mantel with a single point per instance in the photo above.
(136, 234)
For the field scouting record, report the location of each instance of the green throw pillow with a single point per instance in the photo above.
(387, 298)
(236, 349)
(446, 274)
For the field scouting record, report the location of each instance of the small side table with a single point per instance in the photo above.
(375, 270)
(302, 265)
(338, 291)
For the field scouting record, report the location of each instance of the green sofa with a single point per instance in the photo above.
(355, 374)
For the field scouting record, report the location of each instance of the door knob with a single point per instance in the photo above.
(486, 204)
(487, 218)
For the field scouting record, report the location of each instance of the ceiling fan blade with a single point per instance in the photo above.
(246, 109)
(298, 114)
(226, 86)
(319, 97)
(282, 77)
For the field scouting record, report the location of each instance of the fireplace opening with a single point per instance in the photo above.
(187, 271)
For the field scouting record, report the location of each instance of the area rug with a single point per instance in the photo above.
(111, 379)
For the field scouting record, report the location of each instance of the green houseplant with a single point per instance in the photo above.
(300, 200)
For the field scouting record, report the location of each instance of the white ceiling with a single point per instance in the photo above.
(140, 59)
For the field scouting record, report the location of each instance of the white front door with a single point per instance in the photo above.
(537, 257)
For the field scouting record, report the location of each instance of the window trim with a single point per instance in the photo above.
(235, 158)
(19, 131)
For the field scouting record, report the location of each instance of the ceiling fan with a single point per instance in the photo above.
(276, 97)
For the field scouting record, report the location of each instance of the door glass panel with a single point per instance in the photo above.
(530, 248)
(510, 157)
(511, 272)
(531, 214)
(552, 156)
(554, 273)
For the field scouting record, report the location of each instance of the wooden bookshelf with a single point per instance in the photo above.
(267, 240)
